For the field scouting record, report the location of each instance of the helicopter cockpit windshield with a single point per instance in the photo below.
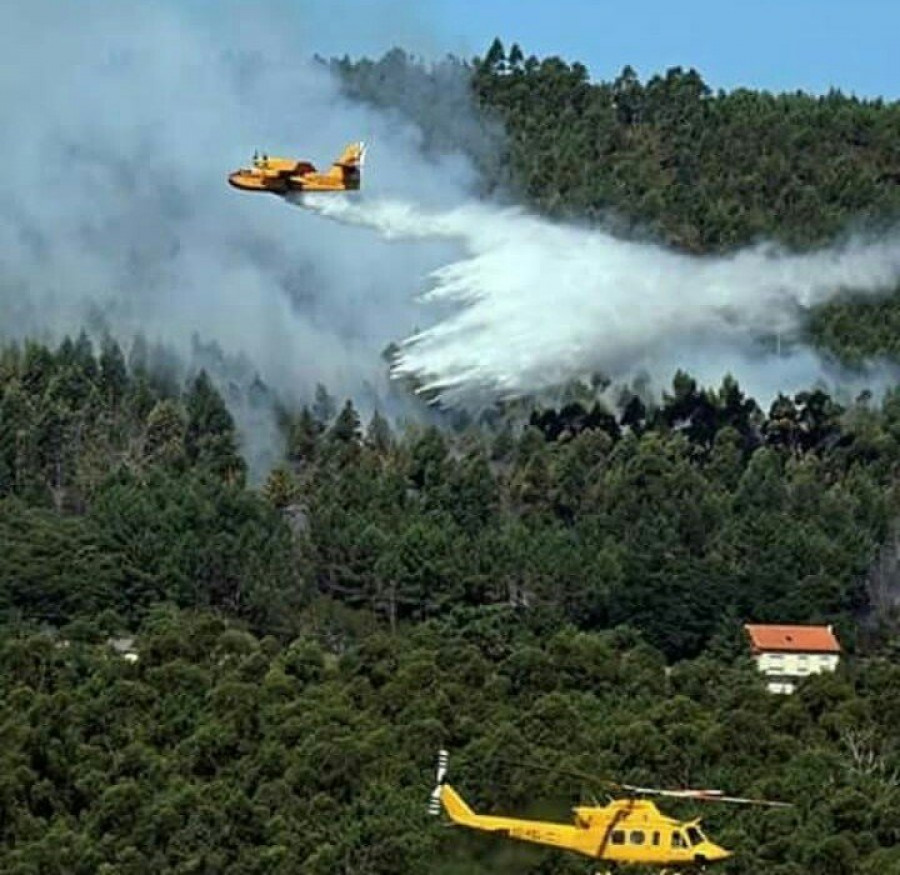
(689, 838)
(695, 837)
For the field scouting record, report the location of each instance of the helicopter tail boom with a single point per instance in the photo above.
(456, 807)
(444, 796)
(556, 835)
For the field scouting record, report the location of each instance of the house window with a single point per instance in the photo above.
(618, 837)
(636, 837)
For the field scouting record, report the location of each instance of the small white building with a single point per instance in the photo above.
(785, 654)
(124, 647)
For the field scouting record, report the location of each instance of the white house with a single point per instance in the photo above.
(124, 647)
(785, 654)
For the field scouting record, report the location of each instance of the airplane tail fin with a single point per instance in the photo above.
(346, 170)
(352, 156)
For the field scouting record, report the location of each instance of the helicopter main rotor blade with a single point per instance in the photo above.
(739, 800)
(704, 795)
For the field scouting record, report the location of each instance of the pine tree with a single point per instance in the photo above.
(378, 434)
(210, 439)
(346, 428)
(303, 435)
(113, 373)
(280, 489)
(164, 441)
(495, 59)
(323, 406)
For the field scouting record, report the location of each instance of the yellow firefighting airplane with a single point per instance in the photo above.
(629, 831)
(284, 175)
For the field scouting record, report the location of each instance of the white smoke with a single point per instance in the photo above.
(540, 303)
(122, 121)
(116, 200)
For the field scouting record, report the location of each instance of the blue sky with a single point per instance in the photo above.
(779, 45)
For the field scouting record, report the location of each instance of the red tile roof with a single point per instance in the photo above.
(803, 639)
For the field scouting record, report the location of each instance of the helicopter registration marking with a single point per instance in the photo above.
(536, 835)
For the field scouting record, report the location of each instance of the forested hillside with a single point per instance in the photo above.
(222, 752)
(560, 585)
(701, 171)
(704, 171)
(680, 520)
(497, 589)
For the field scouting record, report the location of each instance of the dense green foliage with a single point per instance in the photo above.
(703, 512)
(707, 171)
(679, 521)
(562, 585)
(218, 752)
(116, 493)
(514, 588)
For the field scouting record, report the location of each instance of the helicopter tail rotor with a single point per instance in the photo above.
(434, 803)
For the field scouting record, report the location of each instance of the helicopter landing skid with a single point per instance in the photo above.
(661, 871)
(694, 871)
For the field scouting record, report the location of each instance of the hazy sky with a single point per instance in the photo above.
(779, 45)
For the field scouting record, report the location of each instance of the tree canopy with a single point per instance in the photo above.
(561, 583)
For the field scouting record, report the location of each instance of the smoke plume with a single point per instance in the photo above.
(539, 303)
(121, 123)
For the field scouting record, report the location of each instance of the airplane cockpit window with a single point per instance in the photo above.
(694, 835)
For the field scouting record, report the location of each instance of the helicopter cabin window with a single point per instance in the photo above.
(678, 840)
(636, 837)
(618, 837)
(656, 838)
(694, 835)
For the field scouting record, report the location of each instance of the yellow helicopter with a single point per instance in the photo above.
(627, 831)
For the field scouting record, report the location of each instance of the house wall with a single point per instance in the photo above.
(783, 670)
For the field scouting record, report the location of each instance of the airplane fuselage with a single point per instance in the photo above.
(285, 175)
